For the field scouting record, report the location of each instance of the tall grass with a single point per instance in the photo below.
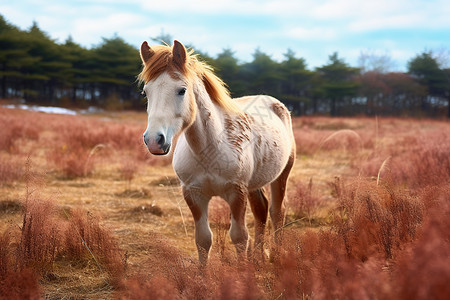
(40, 236)
(46, 238)
(11, 170)
(374, 220)
(387, 235)
(304, 201)
(85, 237)
(423, 270)
(385, 193)
(376, 248)
(15, 128)
(219, 214)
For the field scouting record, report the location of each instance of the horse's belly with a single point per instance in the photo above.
(271, 150)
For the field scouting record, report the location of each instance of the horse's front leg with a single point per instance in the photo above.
(237, 199)
(198, 204)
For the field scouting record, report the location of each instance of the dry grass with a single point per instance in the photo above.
(86, 213)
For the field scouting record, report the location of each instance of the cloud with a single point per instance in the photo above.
(312, 33)
(109, 23)
(196, 6)
(15, 15)
(385, 22)
(234, 7)
(364, 16)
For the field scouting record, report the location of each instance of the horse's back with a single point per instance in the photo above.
(265, 108)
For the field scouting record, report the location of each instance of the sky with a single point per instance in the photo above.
(396, 29)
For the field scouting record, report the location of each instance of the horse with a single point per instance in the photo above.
(231, 148)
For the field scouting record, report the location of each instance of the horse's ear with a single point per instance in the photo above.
(179, 54)
(146, 52)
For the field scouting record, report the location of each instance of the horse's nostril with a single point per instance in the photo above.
(161, 140)
(145, 139)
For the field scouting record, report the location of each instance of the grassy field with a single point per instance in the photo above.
(86, 212)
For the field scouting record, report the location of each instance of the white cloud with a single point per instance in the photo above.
(194, 6)
(91, 29)
(313, 33)
(236, 7)
(385, 22)
(16, 16)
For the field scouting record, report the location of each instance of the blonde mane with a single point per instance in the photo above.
(161, 61)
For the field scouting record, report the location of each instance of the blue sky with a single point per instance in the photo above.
(397, 29)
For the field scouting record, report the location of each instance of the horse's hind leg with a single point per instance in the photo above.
(237, 199)
(278, 191)
(259, 204)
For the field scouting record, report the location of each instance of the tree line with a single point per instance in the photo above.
(36, 68)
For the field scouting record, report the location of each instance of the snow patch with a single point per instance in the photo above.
(53, 109)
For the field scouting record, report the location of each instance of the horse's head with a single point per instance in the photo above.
(171, 104)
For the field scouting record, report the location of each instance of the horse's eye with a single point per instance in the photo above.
(182, 91)
(143, 93)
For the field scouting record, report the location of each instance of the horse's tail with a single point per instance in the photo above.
(285, 115)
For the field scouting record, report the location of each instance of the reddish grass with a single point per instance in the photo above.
(27, 255)
(305, 201)
(387, 235)
(219, 215)
(315, 134)
(423, 270)
(157, 287)
(170, 274)
(85, 237)
(375, 220)
(73, 143)
(128, 171)
(80, 143)
(16, 128)
(389, 238)
(5, 263)
(11, 170)
(40, 236)
(45, 238)
(22, 284)
(416, 157)
(427, 165)
(76, 162)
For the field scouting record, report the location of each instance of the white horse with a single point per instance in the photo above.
(227, 148)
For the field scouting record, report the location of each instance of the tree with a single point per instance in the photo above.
(115, 67)
(262, 75)
(46, 75)
(14, 58)
(426, 70)
(35, 67)
(447, 91)
(77, 76)
(373, 87)
(227, 68)
(338, 82)
(296, 82)
(404, 94)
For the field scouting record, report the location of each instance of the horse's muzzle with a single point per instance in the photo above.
(157, 145)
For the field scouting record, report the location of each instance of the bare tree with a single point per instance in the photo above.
(373, 61)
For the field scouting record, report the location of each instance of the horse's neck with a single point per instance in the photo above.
(205, 132)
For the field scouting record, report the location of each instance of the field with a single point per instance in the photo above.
(87, 213)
